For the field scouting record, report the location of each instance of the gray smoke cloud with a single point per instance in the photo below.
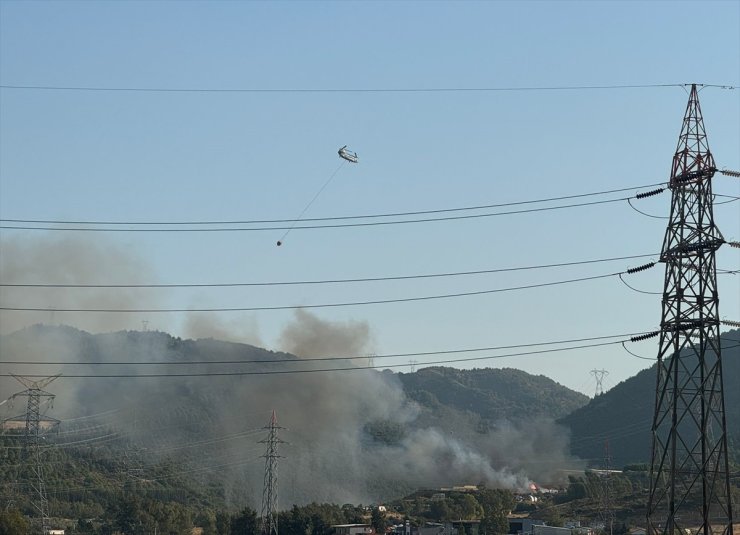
(210, 426)
(69, 260)
(207, 325)
(353, 435)
(309, 336)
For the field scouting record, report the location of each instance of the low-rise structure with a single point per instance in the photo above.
(353, 529)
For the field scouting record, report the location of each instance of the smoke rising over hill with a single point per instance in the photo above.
(68, 260)
(335, 453)
(353, 435)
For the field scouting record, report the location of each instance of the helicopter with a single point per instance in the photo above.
(347, 155)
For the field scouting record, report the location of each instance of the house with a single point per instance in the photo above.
(550, 530)
(353, 529)
(429, 528)
(519, 526)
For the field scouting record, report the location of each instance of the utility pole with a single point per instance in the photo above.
(689, 477)
(599, 376)
(269, 518)
(33, 443)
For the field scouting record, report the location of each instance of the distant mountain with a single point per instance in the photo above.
(492, 394)
(623, 415)
(352, 435)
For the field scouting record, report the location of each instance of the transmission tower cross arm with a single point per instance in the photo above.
(36, 384)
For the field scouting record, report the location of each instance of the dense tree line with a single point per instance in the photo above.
(135, 515)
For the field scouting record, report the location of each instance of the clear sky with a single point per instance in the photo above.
(185, 156)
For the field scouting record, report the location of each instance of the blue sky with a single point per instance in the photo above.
(204, 156)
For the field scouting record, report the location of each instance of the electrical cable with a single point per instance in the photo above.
(320, 359)
(635, 289)
(636, 355)
(327, 281)
(293, 225)
(349, 89)
(654, 359)
(179, 446)
(334, 218)
(735, 199)
(629, 201)
(311, 306)
(322, 370)
(315, 227)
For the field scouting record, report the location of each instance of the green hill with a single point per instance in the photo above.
(623, 415)
(492, 393)
(356, 435)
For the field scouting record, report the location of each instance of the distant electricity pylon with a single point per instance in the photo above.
(269, 517)
(689, 478)
(599, 376)
(36, 425)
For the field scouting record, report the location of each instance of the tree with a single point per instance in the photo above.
(245, 522)
(170, 518)
(206, 519)
(497, 504)
(576, 488)
(439, 510)
(12, 522)
(377, 520)
(129, 517)
(464, 507)
(552, 516)
(223, 523)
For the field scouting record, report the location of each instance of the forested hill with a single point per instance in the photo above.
(623, 415)
(164, 408)
(492, 394)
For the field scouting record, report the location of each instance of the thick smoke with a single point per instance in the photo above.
(210, 426)
(68, 260)
(309, 336)
(207, 325)
(353, 435)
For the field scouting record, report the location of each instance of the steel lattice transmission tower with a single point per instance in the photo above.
(36, 425)
(599, 376)
(689, 479)
(269, 518)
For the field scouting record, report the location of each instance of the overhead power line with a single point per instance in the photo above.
(326, 370)
(308, 306)
(480, 89)
(326, 281)
(317, 359)
(334, 218)
(318, 226)
(209, 226)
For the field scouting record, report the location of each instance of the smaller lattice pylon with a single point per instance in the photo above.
(36, 426)
(269, 515)
(599, 376)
